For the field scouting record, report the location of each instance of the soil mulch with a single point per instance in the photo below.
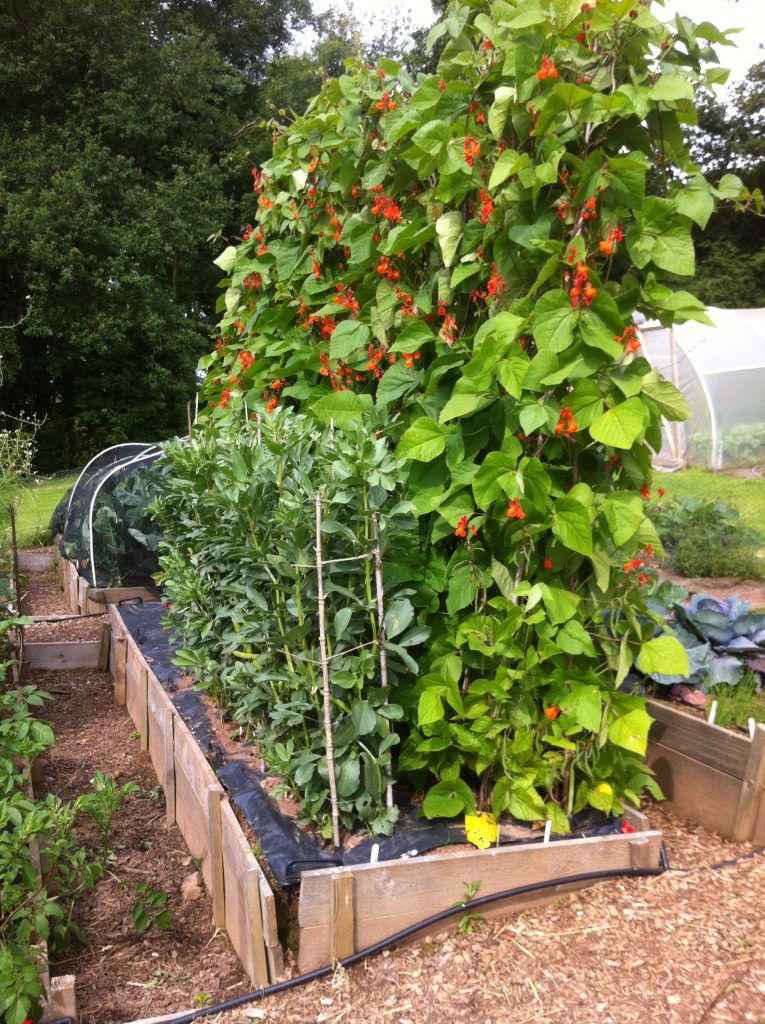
(687, 947)
(721, 587)
(41, 595)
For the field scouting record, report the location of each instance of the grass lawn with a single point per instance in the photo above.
(35, 501)
(747, 496)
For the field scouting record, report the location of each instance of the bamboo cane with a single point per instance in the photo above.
(325, 680)
(381, 629)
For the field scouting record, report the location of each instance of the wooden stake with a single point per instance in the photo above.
(215, 846)
(120, 671)
(168, 782)
(103, 654)
(381, 631)
(751, 790)
(15, 549)
(188, 418)
(143, 707)
(325, 680)
(341, 915)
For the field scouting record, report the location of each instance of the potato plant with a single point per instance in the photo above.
(455, 261)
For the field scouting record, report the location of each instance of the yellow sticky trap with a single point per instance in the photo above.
(481, 830)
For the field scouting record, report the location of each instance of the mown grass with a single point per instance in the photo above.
(746, 496)
(34, 501)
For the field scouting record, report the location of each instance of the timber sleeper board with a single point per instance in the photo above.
(244, 902)
(344, 910)
(709, 775)
(83, 598)
(36, 561)
(62, 655)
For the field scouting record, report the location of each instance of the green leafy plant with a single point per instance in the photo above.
(150, 908)
(452, 263)
(737, 704)
(240, 578)
(707, 538)
(471, 921)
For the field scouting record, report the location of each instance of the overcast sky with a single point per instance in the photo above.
(746, 14)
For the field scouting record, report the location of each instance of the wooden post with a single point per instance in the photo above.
(751, 788)
(188, 417)
(62, 1001)
(168, 783)
(640, 852)
(143, 707)
(341, 915)
(82, 597)
(63, 571)
(325, 680)
(215, 846)
(15, 552)
(120, 671)
(103, 654)
(381, 634)
(251, 884)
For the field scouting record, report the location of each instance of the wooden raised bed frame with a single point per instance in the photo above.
(82, 599)
(341, 910)
(709, 775)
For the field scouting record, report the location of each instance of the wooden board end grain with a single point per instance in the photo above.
(391, 896)
(62, 999)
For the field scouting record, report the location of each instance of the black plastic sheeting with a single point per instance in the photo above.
(288, 849)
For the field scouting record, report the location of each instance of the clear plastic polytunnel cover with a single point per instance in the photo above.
(721, 372)
(105, 526)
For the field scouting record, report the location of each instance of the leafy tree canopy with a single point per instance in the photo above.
(117, 164)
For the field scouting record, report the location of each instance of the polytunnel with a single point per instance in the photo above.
(107, 529)
(720, 370)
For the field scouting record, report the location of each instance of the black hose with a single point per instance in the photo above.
(405, 933)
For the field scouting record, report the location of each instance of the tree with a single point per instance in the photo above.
(117, 165)
(730, 137)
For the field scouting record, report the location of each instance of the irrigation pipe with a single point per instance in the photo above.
(460, 908)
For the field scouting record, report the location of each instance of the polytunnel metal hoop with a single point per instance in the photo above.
(154, 450)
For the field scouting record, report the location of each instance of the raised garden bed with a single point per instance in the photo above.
(711, 776)
(81, 598)
(341, 909)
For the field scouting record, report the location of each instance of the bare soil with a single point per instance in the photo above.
(687, 947)
(721, 587)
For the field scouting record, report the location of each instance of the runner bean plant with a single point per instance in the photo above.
(455, 261)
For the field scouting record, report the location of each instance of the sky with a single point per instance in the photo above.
(747, 14)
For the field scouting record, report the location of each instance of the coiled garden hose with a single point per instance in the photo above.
(377, 947)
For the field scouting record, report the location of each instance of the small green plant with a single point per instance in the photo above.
(103, 804)
(201, 999)
(737, 704)
(151, 909)
(471, 921)
(135, 734)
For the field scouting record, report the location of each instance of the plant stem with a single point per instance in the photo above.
(330, 755)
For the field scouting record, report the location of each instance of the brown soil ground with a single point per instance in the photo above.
(687, 947)
(721, 588)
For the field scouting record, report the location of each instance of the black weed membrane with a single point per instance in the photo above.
(104, 523)
(287, 848)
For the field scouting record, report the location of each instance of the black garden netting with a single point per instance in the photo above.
(288, 849)
(104, 524)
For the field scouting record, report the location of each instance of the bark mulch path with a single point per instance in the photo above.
(687, 947)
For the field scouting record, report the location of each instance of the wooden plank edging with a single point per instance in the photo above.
(346, 909)
(710, 775)
(62, 655)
